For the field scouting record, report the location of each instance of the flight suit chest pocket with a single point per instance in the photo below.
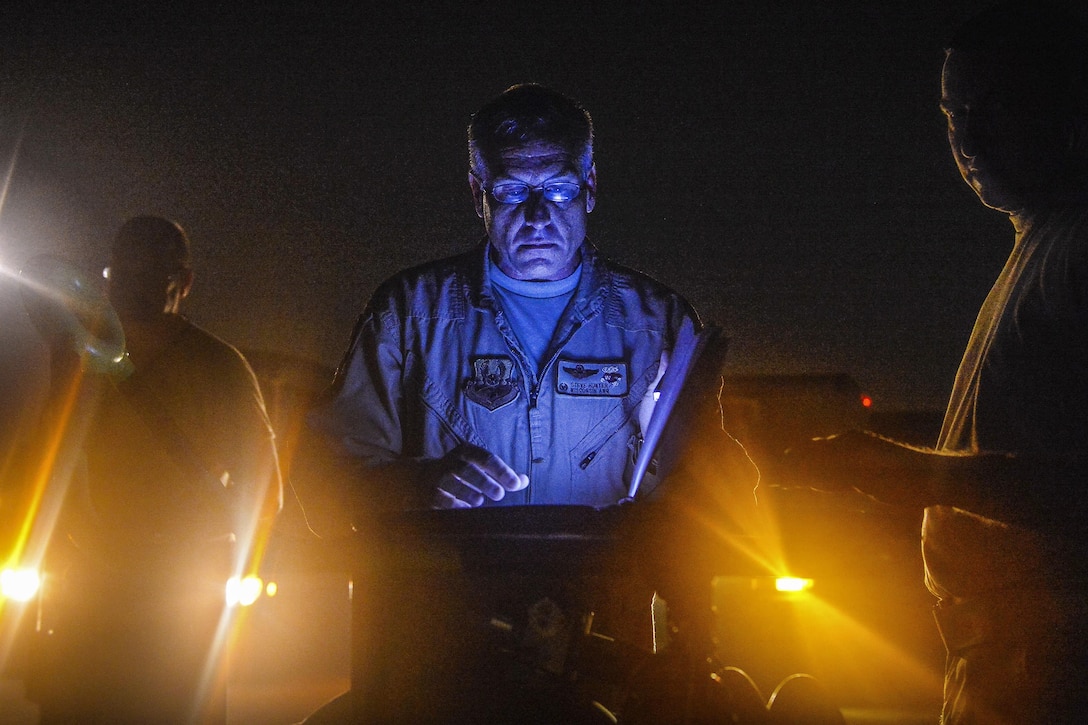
(450, 421)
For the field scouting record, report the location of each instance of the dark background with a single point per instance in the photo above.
(783, 164)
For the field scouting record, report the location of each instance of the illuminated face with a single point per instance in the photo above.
(536, 239)
(1007, 144)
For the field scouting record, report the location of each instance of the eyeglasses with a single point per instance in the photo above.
(555, 191)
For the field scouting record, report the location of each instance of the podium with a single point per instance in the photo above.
(530, 614)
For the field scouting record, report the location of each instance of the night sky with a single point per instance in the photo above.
(783, 164)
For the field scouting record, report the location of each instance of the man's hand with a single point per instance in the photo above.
(469, 475)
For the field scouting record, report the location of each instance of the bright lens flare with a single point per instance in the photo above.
(19, 585)
(243, 591)
(792, 584)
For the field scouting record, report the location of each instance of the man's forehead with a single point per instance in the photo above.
(536, 155)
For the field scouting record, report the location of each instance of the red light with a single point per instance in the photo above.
(866, 401)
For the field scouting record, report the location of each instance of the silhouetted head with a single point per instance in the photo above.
(533, 181)
(150, 269)
(1014, 92)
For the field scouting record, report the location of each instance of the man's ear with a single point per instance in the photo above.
(185, 283)
(591, 188)
(477, 194)
(178, 286)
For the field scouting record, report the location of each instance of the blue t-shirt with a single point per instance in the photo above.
(533, 308)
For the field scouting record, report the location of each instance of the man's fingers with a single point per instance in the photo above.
(472, 476)
(475, 480)
(445, 500)
(494, 470)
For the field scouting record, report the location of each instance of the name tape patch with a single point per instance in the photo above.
(592, 378)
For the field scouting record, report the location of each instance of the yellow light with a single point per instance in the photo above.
(243, 591)
(792, 584)
(20, 585)
(271, 589)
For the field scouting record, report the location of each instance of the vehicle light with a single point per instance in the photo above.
(792, 584)
(271, 589)
(243, 591)
(20, 585)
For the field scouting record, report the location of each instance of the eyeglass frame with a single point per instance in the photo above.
(529, 190)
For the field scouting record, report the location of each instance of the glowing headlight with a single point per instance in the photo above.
(243, 591)
(792, 584)
(20, 585)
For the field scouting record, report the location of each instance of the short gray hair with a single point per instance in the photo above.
(526, 113)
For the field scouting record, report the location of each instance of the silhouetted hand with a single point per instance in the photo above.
(857, 460)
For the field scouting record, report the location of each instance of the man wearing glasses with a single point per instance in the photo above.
(514, 373)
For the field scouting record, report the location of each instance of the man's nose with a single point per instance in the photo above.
(538, 210)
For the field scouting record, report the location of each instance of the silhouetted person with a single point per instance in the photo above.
(1005, 532)
(178, 463)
